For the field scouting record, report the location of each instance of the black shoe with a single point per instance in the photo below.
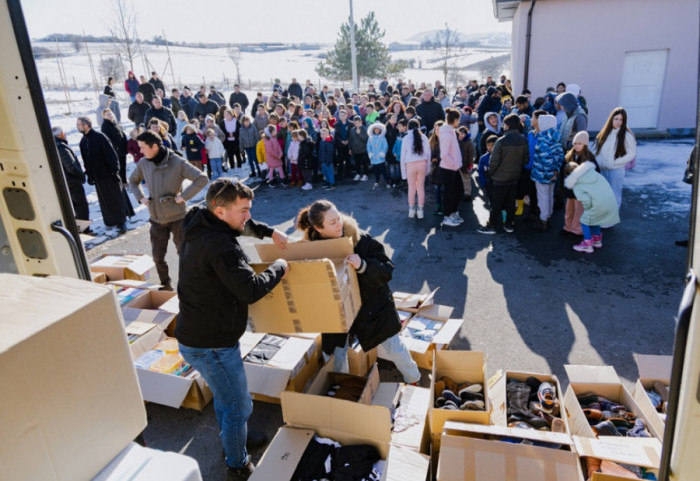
(166, 286)
(541, 225)
(682, 243)
(532, 218)
(255, 440)
(241, 474)
(122, 228)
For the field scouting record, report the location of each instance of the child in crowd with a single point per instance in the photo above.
(307, 158)
(434, 174)
(181, 121)
(132, 146)
(579, 154)
(371, 114)
(485, 181)
(377, 147)
(193, 145)
(326, 151)
(260, 152)
(467, 150)
(295, 176)
(358, 148)
(273, 155)
(598, 201)
(392, 163)
(507, 108)
(402, 127)
(547, 157)
(492, 125)
(248, 137)
(215, 152)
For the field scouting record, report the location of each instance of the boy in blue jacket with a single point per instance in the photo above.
(326, 151)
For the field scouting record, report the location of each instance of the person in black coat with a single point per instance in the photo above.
(75, 177)
(102, 169)
(429, 110)
(377, 322)
(138, 109)
(147, 89)
(161, 113)
(205, 107)
(156, 82)
(119, 142)
(238, 97)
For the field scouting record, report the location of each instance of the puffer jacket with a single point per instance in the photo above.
(248, 136)
(548, 155)
(307, 154)
(358, 141)
(377, 145)
(596, 195)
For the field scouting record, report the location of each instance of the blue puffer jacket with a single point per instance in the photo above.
(548, 153)
(326, 149)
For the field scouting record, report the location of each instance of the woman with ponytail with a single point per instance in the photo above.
(415, 166)
(377, 322)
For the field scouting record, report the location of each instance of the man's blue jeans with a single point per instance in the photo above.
(222, 369)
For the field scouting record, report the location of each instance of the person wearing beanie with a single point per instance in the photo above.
(575, 121)
(546, 157)
(578, 154)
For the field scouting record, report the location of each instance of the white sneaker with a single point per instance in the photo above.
(363, 178)
(455, 217)
(449, 221)
(376, 184)
(419, 213)
(307, 186)
(411, 212)
(388, 186)
(357, 178)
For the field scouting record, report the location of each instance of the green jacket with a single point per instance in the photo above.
(510, 154)
(596, 195)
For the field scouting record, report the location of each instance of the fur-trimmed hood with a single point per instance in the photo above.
(377, 125)
(350, 229)
(578, 173)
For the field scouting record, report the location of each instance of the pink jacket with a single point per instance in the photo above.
(273, 153)
(450, 154)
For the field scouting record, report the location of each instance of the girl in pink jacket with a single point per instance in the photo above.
(273, 154)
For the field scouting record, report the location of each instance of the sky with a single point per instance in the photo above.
(243, 21)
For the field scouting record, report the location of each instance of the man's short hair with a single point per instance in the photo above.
(150, 138)
(56, 131)
(512, 121)
(225, 191)
(521, 99)
(85, 120)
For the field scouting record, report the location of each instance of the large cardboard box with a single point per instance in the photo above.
(359, 361)
(644, 452)
(119, 266)
(320, 292)
(652, 369)
(343, 421)
(71, 402)
(409, 302)
(409, 409)
(326, 378)
(476, 453)
(165, 301)
(291, 368)
(137, 463)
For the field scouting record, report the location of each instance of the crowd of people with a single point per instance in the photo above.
(516, 150)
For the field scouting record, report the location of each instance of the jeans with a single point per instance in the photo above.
(216, 167)
(615, 178)
(252, 160)
(114, 107)
(589, 231)
(394, 170)
(397, 352)
(222, 369)
(327, 171)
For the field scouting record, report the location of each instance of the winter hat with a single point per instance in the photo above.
(574, 89)
(581, 136)
(490, 91)
(546, 122)
(506, 98)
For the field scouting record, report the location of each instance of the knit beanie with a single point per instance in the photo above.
(582, 137)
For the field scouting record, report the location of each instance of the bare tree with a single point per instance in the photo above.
(77, 45)
(124, 28)
(446, 42)
(234, 53)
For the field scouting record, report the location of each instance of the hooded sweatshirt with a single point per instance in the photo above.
(488, 130)
(576, 119)
(450, 153)
(377, 145)
(596, 195)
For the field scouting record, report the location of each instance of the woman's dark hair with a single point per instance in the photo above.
(312, 216)
(562, 84)
(539, 102)
(620, 149)
(417, 147)
(452, 115)
(109, 79)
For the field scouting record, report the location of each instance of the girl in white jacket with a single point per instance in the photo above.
(616, 146)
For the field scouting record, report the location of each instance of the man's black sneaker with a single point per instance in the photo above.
(255, 440)
(487, 230)
(241, 474)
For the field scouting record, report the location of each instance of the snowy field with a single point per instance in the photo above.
(660, 163)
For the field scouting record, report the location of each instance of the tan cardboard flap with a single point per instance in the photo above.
(343, 421)
(591, 374)
(498, 399)
(657, 368)
(436, 312)
(458, 428)
(151, 300)
(135, 283)
(304, 250)
(645, 452)
(164, 389)
(415, 402)
(448, 331)
(283, 454)
(266, 380)
(413, 302)
(460, 360)
(404, 464)
(387, 395)
(471, 459)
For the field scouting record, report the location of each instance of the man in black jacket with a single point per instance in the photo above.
(161, 113)
(491, 102)
(147, 89)
(429, 110)
(295, 90)
(138, 109)
(156, 82)
(75, 177)
(238, 97)
(205, 107)
(215, 287)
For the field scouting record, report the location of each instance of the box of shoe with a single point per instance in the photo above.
(117, 266)
(527, 400)
(364, 429)
(166, 378)
(409, 413)
(598, 405)
(275, 363)
(413, 302)
(71, 401)
(489, 453)
(612, 458)
(651, 389)
(427, 331)
(98, 277)
(320, 292)
(337, 385)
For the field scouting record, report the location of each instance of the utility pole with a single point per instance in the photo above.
(353, 52)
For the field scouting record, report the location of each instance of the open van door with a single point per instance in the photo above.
(38, 233)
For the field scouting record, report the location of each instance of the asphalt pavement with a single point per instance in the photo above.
(528, 300)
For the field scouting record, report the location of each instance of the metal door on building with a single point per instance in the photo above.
(643, 76)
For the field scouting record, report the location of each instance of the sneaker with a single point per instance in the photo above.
(255, 440)
(357, 178)
(598, 241)
(419, 213)
(387, 186)
(486, 230)
(411, 212)
(456, 217)
(307, 186)
(241, 474)
(547, 394)
(376, 184)
(449, 222)
(508, 229)
(363, 178)
(331, 187)
(585, 246)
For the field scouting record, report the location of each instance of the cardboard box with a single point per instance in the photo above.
(123, 266)
(651, 370)
(429, 315)
(71, 402)
(359, 361)
(645, 452)
(499, 400)
(603, 381)
(165, 301)
(409, 408)
(291, 368)
(343, 421)
(98, 277)
(413, 302)
(137, 463)
(326, 378)
(319, 294)
(474, 452)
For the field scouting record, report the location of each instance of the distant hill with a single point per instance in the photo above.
(491, 39)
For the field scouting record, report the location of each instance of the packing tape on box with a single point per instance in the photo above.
(288, 296)
(297, 325)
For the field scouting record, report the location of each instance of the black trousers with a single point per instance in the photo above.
(503, 198)
(79, 201)
(160, 236)
(342, 161)
(361, 162)
(451, 190)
